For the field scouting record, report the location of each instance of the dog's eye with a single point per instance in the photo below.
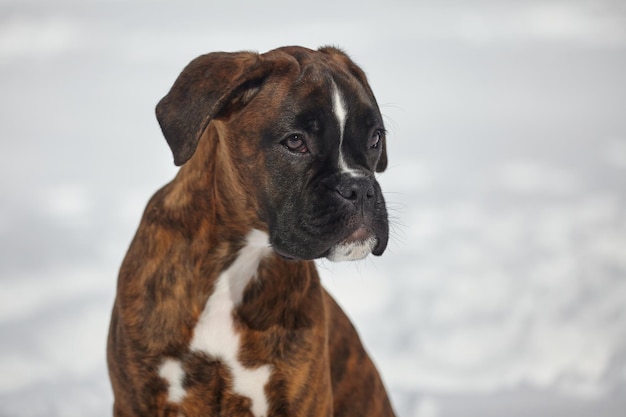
(295, 143)
(374, 142)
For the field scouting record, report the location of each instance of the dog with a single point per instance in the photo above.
(219, 308)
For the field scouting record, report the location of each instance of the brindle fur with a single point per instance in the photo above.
(192, 230)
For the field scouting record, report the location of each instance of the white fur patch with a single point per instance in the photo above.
(339, 108)
(352, 251)
(215, 333)
(341, 113)
(172, 372)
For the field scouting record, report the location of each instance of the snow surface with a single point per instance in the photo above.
(503, 291)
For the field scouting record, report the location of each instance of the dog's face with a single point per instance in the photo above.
(320, 151)
(307, 138)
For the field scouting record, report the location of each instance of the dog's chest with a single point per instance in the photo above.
(216, 337)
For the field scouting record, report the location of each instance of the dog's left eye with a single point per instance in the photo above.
(295, 143)
(374, 142)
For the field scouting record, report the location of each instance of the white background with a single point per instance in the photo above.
(503, 290)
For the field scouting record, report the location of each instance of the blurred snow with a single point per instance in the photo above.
(503, 291)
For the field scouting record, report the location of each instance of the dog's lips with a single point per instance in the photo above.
(357, 245)
(362, 238)
(284, 254)
(359, 235)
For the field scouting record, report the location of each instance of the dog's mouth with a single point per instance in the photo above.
(283, 254)
(356, 246)
(338, 232)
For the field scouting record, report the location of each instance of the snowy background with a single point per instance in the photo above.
(503, 291)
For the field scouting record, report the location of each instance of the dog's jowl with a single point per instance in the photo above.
(219, 308)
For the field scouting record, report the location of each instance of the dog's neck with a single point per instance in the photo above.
(206, 206)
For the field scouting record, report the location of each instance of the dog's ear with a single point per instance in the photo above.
(210, 86)
(343, 59)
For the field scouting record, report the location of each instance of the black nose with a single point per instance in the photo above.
(359, 190)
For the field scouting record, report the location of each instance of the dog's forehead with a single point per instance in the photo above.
(322, 93)
(327, 99)
(329, 82)
(316, 75)
(335, 107)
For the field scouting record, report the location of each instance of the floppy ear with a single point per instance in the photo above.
(342, 58)
(209, 86)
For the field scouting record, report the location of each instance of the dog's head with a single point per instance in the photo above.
(306, 136)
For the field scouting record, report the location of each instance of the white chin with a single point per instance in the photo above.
(352, 251)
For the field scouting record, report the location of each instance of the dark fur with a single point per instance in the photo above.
(223, 119)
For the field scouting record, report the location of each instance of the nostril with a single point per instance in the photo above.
(370, 192)
(349, 192)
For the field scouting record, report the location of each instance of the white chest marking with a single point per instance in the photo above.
(215, 333)
(341, 113)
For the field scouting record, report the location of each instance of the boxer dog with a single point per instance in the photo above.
(219, 308)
